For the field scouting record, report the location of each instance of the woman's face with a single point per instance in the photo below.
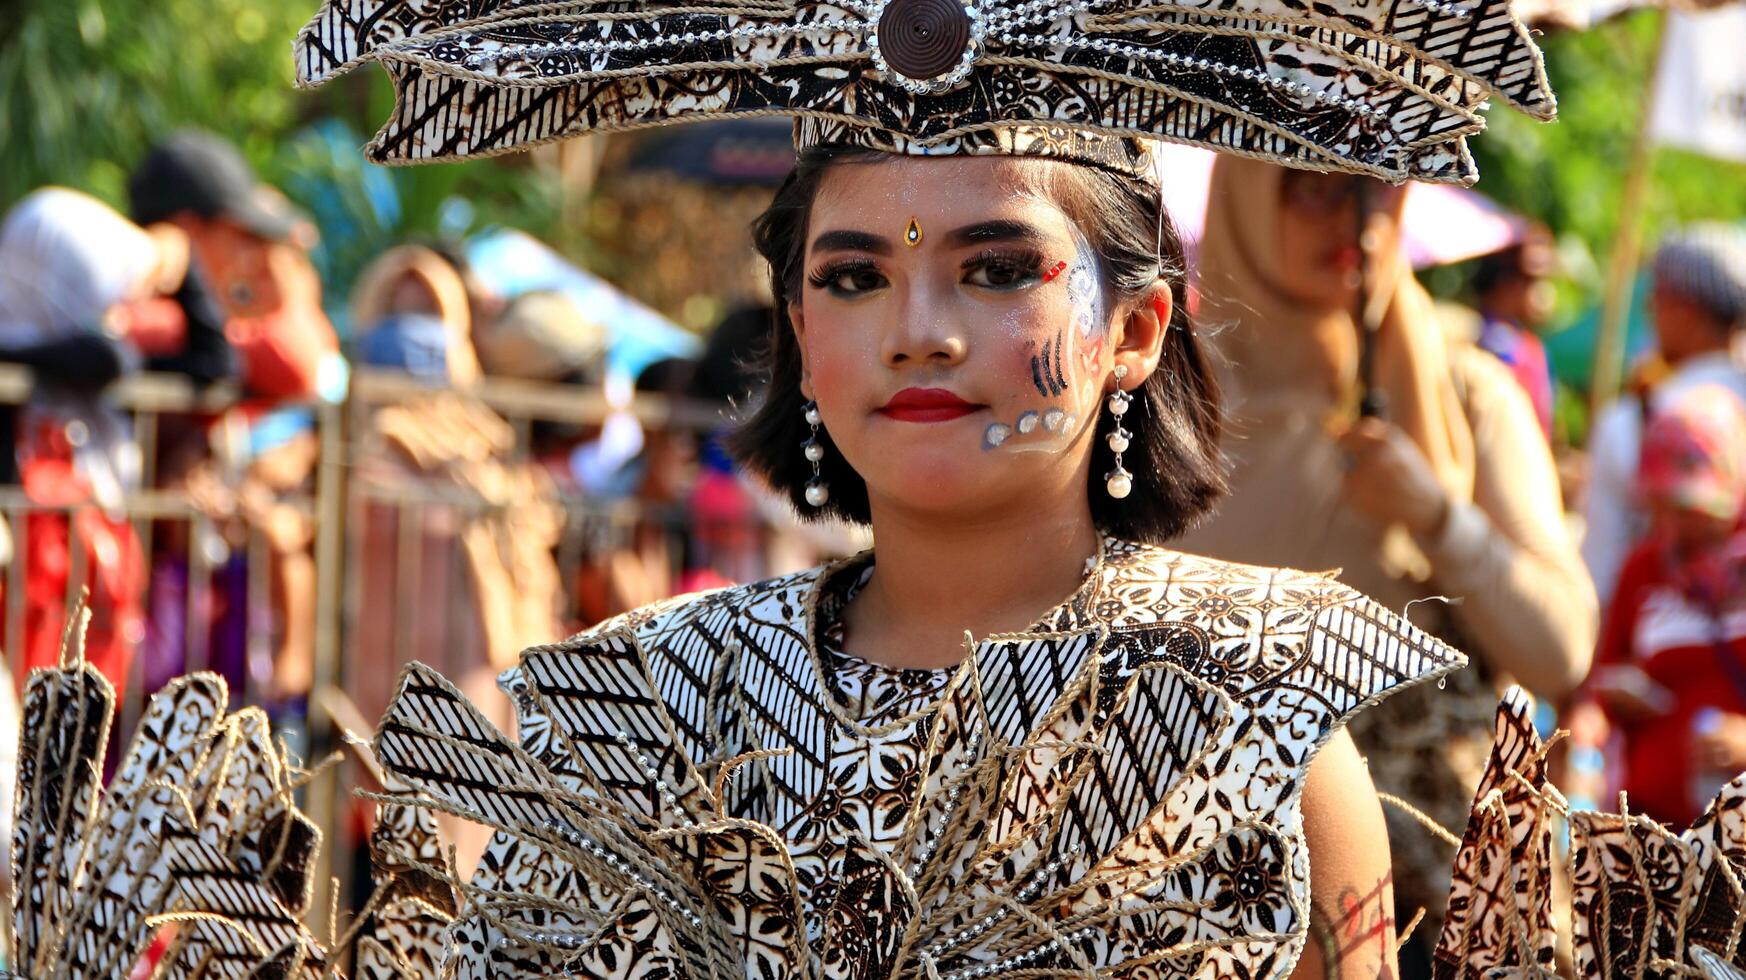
(957, 333)
(1319, 257)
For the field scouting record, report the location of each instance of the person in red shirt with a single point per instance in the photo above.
(1671, 668)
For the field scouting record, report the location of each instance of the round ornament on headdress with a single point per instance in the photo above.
(923, 39)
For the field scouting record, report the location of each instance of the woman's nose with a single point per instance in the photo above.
(925, 332)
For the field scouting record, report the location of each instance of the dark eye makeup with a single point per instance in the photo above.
(847, 277)
(1004, 268)
(1000, 269)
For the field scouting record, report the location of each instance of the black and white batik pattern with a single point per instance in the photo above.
(1499, 918)
(1390, 88)
(1114, 790)
(1647, 901)
(196, 829)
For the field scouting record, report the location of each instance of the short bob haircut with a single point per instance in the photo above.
(1174, 456)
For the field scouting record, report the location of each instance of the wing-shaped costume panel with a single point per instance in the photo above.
(1116, 787)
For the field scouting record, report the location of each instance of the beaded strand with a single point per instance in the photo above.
(654, 776)
(993, 918)
(927, 852)
(621, 865)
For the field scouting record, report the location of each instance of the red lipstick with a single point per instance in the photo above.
(926, 405)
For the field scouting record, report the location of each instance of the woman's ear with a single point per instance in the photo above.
(1141, 344)
(797, 322)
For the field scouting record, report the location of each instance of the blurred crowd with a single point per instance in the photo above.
(470, 533)
(1407, 441)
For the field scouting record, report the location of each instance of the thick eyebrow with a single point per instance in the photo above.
(1002, 230)
(851, 241)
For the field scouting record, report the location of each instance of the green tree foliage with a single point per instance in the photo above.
(1569, 174)
(85, 85)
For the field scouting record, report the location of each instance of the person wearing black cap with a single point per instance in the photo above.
(195, 173)
(251, 246)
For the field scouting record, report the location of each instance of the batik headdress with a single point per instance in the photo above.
(1390, 88)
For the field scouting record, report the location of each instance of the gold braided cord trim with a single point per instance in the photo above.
(1437, 830)
(727, 769)
(1406, 934)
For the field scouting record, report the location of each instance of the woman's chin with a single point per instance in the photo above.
(950, 488)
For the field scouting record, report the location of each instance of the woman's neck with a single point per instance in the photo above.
(933, 581)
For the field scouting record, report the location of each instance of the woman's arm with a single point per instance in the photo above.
(1352, 927)
(1526, 598)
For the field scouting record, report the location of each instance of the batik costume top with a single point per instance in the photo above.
(1116, 788)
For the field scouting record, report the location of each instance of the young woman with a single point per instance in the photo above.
(1021, 736)
(1021, 731)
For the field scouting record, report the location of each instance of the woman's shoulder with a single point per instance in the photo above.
(1170, 578)
(1486, 387)
(1262, 629)
(783, 597)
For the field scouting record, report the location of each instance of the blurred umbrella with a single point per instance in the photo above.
(1444, 224)
(1571, 350)
(1441, 224)
(512, 262)
(738, 153)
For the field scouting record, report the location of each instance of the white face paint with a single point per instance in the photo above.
(1065, 370)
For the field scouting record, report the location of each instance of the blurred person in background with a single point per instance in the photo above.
(71, 269)
(1450, 492)
(416, 286)
(456, 531)
(1698, 303)
(644, 554)
(485, 305)
(1513, 293)
(540, 336)
(252, 248)
(259, 638)
(1670, 673)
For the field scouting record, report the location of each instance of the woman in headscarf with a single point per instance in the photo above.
(68, 266)
(412, 281)
(1446, 490)
(456, 534)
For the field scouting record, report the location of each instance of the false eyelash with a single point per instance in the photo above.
(822, 277)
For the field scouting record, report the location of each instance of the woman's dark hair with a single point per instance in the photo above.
(1174, 416)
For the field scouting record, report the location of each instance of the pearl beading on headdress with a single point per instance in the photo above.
(485, 59)
(1447, 9)
(1029, 14)
(1187, 63)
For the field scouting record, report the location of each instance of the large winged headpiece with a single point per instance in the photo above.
(1390, 88)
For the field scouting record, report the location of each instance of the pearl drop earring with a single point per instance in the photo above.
(818, 492)
(1118, 483)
